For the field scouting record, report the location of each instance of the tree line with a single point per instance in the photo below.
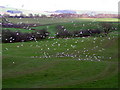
(24, 16)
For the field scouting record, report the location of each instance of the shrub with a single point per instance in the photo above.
(60, 27)
(86, 33)
(63, 34)
(8, 24)
(9, 36)
(107, 27)
(40, 34)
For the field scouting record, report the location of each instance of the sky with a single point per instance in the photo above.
(50, 5)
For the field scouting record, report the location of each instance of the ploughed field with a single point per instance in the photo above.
(88, 62)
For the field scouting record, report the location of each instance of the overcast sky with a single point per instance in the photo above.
(49, 5)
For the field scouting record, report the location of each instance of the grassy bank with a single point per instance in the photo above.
(69, 63)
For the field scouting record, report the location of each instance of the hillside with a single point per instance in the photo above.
(79, 62)
(5, 10)
(57, 63)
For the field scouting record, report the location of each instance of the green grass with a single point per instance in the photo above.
(72, 26)
(100, 19)
(62, 63)
(19, 29)
(59, 20)
(41, 20)
(108, 19)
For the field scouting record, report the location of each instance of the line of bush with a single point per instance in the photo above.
(80, 33)
(7, 24)
(19, 25)
(62, 32)
(10, 36)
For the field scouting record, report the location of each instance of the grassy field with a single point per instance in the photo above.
(19, 29)
(100, 19)
(70, 24)
(59, 20)
(73, 26)
(62, 63)
(90, 62)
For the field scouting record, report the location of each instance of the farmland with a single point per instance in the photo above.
(18, 29)
(70, 24)
(59, 20)
(87, 62)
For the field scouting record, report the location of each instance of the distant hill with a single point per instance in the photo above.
(94, 12)
(14, 11)
(66, 11)
(84, 12)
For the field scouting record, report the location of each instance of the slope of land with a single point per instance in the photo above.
(78, 62)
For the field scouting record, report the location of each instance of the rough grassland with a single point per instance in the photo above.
(62, 63)
(58, 20)
(70, 24)
(19, 29)
(73, 26)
